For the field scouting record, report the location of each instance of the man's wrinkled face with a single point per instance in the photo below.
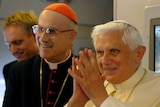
(53, 46)
(114, 57)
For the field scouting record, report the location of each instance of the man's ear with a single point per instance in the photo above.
(73, 35)
(140, 52)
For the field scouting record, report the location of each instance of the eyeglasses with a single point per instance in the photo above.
(39, 29)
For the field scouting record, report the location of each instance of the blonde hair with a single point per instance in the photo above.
(25, 19)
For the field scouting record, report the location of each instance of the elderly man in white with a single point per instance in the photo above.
(114, 77)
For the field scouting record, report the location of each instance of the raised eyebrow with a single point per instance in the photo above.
(53, 28)
(16, 41)
(115, 49)
(47, 27)
(99, 51)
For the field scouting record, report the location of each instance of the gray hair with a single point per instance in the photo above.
(131, 35)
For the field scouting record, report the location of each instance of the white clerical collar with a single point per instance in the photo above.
(130, 83)
(133, 80)
(55, 65)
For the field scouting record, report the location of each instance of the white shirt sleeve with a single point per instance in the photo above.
(112, 102)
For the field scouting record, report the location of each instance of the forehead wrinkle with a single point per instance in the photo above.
(109, 43)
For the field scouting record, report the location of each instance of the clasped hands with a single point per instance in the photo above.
(88, 81)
